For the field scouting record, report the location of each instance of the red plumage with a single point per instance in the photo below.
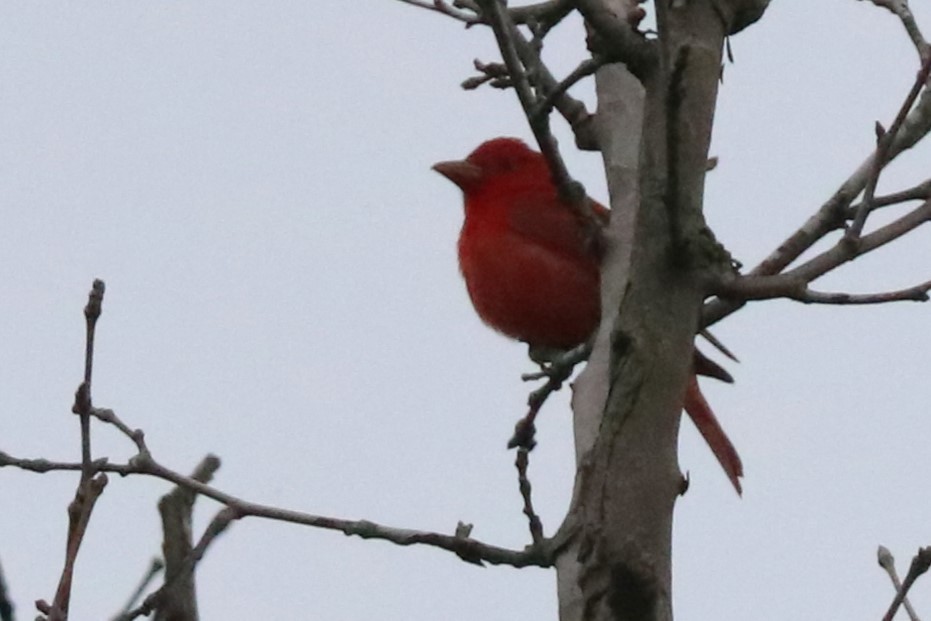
(532, 268)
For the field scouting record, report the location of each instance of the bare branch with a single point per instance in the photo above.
(161, 600)
(92, 482)
(82, 398)
(586, 68)
(843, 252)
(79, 514)
(887, 562)
(618, 37)
(177, 600)
(922, 191)
(556, 373)
(920, 564)
(833, 213)
(494, 74)
(504, 30)
(536, 526)
(747, 288)
(571, 109)
(468, 549)
(885, 140)
(918, 293)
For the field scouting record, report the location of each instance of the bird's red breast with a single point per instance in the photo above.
(529, 264)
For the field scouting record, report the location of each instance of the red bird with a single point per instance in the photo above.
(532, 267)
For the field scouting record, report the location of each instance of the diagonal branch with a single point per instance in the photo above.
(887, 562)
(884, 143)
(920, 564)
(504, 30)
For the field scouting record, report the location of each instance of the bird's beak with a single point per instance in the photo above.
(460, 172)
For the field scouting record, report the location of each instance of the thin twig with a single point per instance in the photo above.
(887, 562)
(572, 110)
(92, 482)
(843, 252)
(82, 398)
(586, 68)
(791, 287)
(556, 373)
(884, 143)
(523, 482)
(504, 30)
(920, 564)
(832, 214)
(918, 293)
(79, 513)
(922, 191)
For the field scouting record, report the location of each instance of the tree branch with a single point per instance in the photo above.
(92, 482)
(887, 562)
(504, 30)
(536, 526)
(884, 142)
(922, 191)
(618, 37)
(835, 211)
(466, 548)
(748, 288)
(177, 598)
(920, 564)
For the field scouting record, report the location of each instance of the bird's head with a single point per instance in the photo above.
(500, 158)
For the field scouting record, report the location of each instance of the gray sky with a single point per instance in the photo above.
(252, 182)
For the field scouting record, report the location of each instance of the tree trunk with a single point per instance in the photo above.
(654, 139)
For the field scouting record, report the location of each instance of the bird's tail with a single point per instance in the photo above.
(700, 412)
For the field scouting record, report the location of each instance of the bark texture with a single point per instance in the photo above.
(654, 134)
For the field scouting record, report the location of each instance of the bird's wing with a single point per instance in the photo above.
(552, 224)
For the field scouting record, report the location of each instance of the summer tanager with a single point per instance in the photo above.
(532, 265)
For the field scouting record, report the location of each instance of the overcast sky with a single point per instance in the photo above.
(252, 181)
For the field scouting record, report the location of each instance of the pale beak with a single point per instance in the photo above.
(461, 172)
